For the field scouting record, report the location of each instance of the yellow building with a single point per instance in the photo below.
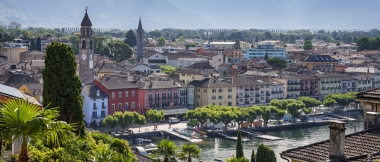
(214, 92)
(320, 62)
(188, 75)
(33, 89)
(12, 51)
(330, 83)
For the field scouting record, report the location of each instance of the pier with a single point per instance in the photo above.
(262, 136)
(190, 139)
(342, 117)
(233, 138)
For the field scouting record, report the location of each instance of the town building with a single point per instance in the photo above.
(364, 83)
(349, 84)
(330, 83)
(86, 51)
(222, 45)
(370, 71)
(95, 104)
(277, 89)
(11, 51)
(324, 63)
(188, 75)
(214, 59)
(309, 86)
(292, 84)
(234, 54)
(8, 93)
(33, 89)
(14, 25)
(153, 58)
(262, 49)
(251, 91)
(32, 55)
(108, 68)
(201, 66)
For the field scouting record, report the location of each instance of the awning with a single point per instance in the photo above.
(174, 111)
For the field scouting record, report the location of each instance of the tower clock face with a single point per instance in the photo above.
(84, 57)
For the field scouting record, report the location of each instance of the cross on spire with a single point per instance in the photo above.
(86, 9)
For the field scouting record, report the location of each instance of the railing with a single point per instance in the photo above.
(323, 88)
(150, 99)
(294, 89)
(267, 94)
(256, 89)
(257, 101)
(103, 115)
(294, 83)
(175, 97)
(246, 102)
(335, 81)
(183, 94)
(157, 98)
(257, 95)
(237, 103)
(246, 96)
(280, 91)
(247, 89)
(274, 92)
(251, 89)
(164, 97)
(95, 107)
(267, 100)
(237, 96)
(104, 107)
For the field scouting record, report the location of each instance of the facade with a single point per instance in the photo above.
(211, 91)
(349, 84)
(364, 83)
(223, 45)
(330, 83)
(95, 104)
(234, 54)
(324, 63)
(214, 59)
(370, 71)
(309, 86)
(140, 41)
(188, 75)
(32, 55)
(262, 49)
(292, 84)
(251, 91)
(277, 89)
(153, 58)
(11, 51)
(86, 51)
(123, 93)
(33, 89)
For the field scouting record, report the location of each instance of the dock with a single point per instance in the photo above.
(190, 139)
(233, 138)
(342, 117)
(262, 136)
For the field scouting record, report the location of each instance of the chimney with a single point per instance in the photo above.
(337, 140)
(34, 91)
(371, 120)
(97, 93)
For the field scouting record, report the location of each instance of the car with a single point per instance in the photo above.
(173, 120)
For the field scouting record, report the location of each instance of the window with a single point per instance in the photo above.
(119, 96)
(126, 94)
(220, 103)
(262, 86)
(261, 92)
(213, 97)
(113, 95)
(204, 90)
(133, 93)
(213, 103)
(198, 96)
(267, 86)
(229, 89)
(261, 98)
(251, 99)
(240, 94)
(213, 90)
(220, 90)
(198, 90)
(113, 107)
(251, 93)
(126, 106)
(240, 100)
(229, 103)
(229, 96)
(133, 105)
(241, 88)
(94, 114)
(197, 104)
(220, 97)
(119, 107)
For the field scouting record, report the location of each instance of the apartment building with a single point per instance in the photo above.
(324, 63)
(292, 85)
(188, 75)
(349, 84)
(364, 83)
(330, 83)
(251, 91)
(370, 71)
(309, 86)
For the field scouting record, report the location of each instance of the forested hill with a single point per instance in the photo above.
(122, 14)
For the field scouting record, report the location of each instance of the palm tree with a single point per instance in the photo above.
(26, 121)
(166, 149)
(190, 150)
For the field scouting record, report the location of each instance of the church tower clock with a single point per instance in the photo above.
(86, 51)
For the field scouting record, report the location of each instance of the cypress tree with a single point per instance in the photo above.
(266, 56)
(62, 86)
(131, 39)
(32, 44)
(239, 146)
(38, 44)
(253, 156)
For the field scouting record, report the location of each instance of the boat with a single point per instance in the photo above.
(141, 140)
(150, 146)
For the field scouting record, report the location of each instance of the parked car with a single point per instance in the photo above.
(173, 120)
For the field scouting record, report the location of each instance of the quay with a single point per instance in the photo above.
(175, 134)
(262, 136)
(341, 117)
(233, 138)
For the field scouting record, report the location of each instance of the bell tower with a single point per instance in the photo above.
(140, 41)
(86, 51)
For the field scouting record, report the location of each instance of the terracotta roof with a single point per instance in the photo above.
(176, 56)
(211, 83)
(325, 75)
(201, 65)
(195, 71)
(161, 83)
(225, 65)
(320, 58)
(149, 53)
(207, 54)
(307, 77)
(348, 77)
(369, 52)
(370, 94)
(17, 80)
(109, 68)
(157, 61)
(357, 148)
(117, 83)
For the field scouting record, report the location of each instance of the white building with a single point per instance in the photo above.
(197, 40)
(225, 45)
(14, 25)
(153, 58)
(146, 68)
(262, 49)
(94, 104)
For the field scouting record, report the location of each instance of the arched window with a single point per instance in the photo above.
(83, 44)
(87, 32)
(91, 44)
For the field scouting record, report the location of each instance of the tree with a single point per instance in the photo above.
(120, 50)
(307, 110)
(190, 150)
(187, 45)
(110, 121)
(161, 41)
(268, 35)
(264, 153)
(38, 44)
(253, 156)
(241, 116)
(200, 114)
(32, 44)
(239, 146)
(196, 36)
(62, 86)
(266, 56)
(74, 39)
(155, 34)
(227, 117)
(329, 102)
(139, 119)
(235, 159)
(307, 45)
(237, 44)
(293, 109)
(167, 69)
(154, 116)
(130, 38)
(26, 121)
(26, 35)
(166, 149)
(280, 104)
(309, 102)
(124, 119)
(277, 63)
(257, 39)
(214, 117)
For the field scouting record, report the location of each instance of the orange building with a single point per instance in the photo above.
(234, 53)
(324, 63)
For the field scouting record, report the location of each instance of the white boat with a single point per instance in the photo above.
(150, 146)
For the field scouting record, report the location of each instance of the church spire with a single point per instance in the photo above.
(86, 20)
(140, 26)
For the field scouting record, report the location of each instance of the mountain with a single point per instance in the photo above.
(122, 14)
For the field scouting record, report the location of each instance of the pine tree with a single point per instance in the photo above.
(253, 156)
(239, 146)
(131, 39)
(32, 44)
(38, 44)
(266, 56)
(62, 86)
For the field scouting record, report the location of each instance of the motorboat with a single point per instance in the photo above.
(150, 146)
(141, 140)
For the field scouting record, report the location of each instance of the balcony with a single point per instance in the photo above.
(294, 83)
(104, 107)
(280, 91)
(257, 101)
(247, 89)
(293, 89)
(344, 87)
(246, 96)
(150, 99)
(267, 94)
(246, 102)
(103, 115)
(339, 81)
(237, 103)
(237, 96)
(175, 97)
(183, 94)
(95, 108)
(339, 87)
(256, 89)
(257, 95)
(274, 92)
(251, 89)
(335, 81)
(323, 88)
(157, 98)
